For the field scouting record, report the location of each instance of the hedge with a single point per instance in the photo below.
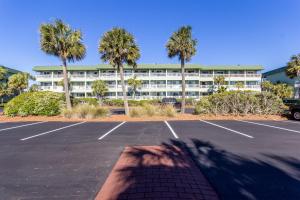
(240, 103)
(35, 103)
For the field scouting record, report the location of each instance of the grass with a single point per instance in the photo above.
(149, 110)
(85, 111)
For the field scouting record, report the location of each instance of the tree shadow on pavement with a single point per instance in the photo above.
(174, 171)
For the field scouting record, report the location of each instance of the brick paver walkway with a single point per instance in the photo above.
(156, 172)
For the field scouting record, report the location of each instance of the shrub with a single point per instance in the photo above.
(90, 101)
(35, 103)
(136, 112)
(168, 111)
(85, 111)
(240, 103)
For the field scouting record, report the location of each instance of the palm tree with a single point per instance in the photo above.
(293, 70)
(17, 83)
(60, 40)
(134, 83)
(99, 88)
(219, 80)
(117, 47)
(182, 44)
(239, 85)
(293, 67)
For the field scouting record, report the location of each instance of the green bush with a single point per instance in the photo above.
(85, 111)
(35, 103)
(90, 101)
(240, 103)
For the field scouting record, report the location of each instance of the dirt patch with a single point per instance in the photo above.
(156, 172)
(126, 118)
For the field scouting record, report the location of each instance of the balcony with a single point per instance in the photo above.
(92, 75)
(237, 75)
(253, 75)
(58, 76)
(78, 87)
(46, 87)
(174, 86)
(158, 74)
(192, 85)
(107, 74)
(141, 74)
(206, 86)
(158, 86)
(77, 76)
(206, 75)
(173, 74)
(191, 74)
(43, 76)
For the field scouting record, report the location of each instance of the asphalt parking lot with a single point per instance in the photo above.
(71, 160)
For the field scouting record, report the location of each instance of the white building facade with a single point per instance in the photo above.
(158, 80)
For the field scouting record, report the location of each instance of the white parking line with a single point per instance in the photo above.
(234, 131)
(100, 138)
(4, 129)
(33, 136)
(285, 129)
(172, 131)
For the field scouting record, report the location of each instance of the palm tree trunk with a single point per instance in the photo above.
(124, 90)
(66, 85)
(182, 87)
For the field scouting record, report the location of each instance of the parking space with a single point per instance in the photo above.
(71, 160)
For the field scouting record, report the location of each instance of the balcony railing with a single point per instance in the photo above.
(206, 75)
(57, 76)
(92, 75)
(141, 74)
(43, 76)
(237, 75)
(191, 74)
(174, 86)
(192, 85)
(173, 74)
(158, 74)
(158, 86)
(78, 87)
(253, 75)
(77, 76)
(107, 74)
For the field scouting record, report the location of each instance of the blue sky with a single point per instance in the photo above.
(264, 32)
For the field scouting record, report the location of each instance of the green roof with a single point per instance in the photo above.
(150, 66)
(274, 71)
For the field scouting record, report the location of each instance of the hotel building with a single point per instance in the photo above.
(158, 80)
